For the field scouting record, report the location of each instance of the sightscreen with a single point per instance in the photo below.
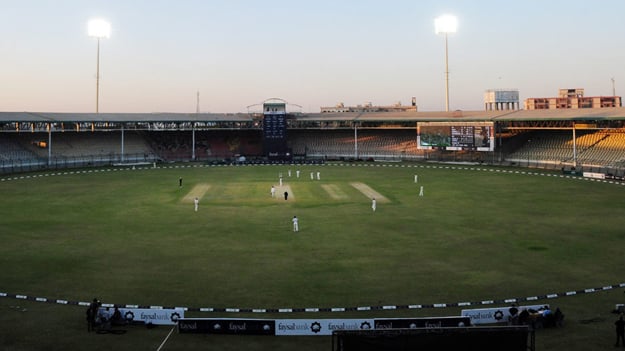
(476, 136)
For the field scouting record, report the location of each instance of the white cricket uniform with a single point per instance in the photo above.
(295, 224)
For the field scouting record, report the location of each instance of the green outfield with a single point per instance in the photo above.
(131, 236)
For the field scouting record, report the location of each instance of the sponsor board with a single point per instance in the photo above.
(149, 316)
(226, 326)
(593, 175)
(494, 315)
(414, 323)
(314, 327)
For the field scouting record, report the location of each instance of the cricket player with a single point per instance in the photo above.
(373, 204)
(273, 191)
(421, 191)
(196, 203)
(297, 173)
(318, 175)
(295, 224)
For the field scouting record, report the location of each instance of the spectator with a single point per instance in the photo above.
(92, 313)
(116, 318)
(620, 331)
(513, 319)
(524, 316)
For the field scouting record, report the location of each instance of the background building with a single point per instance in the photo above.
(501, 99)
(369, 107)
(572, 99)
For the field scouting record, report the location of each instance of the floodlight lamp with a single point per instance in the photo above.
(445, 24)
(99, 28)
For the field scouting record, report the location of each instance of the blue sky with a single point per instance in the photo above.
(311, 53)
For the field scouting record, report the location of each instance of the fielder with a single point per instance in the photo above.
(273, 191)
(295, 224)
(196, 203)
(421, 191)
(373, 204)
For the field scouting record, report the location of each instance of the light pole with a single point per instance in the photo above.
(446, 24)
(98, 28)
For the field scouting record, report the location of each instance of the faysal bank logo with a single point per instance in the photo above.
(498, 315)
(315, 327)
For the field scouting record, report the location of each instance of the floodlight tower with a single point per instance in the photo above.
(98, 28)
(613, 88)
(444, 25)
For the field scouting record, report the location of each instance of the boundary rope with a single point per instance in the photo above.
(507, 301)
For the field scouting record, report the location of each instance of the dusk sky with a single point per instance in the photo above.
(310, 53)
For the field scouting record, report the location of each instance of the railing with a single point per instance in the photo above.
(492, 158)
(580, 166)
(30, 165)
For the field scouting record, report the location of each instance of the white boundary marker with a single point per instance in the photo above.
(167, 337)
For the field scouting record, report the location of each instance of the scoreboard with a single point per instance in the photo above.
(274, 126)
(274, 136)
(462, 136)
(477, 136)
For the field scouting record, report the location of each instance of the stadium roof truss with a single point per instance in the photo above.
(597, 118)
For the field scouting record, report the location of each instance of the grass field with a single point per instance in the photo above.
(132, 237)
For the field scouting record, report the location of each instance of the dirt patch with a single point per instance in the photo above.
(197, 191)
(369, 192)
(334, 191)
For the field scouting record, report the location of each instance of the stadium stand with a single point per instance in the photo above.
(11, 150)
(71, 149)
(594, 149)
(371, 143)
(209, 145)
(521, 138)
